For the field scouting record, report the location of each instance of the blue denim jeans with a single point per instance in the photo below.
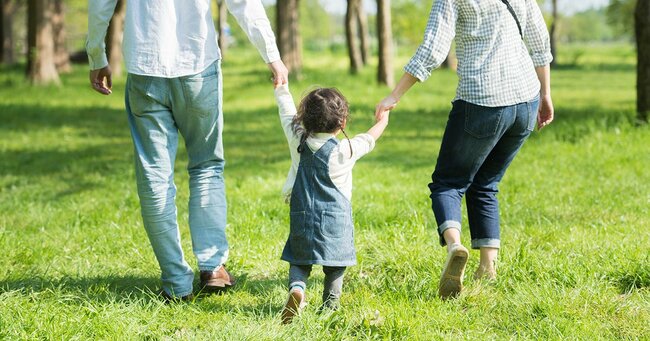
(478, 145)
(158, 110)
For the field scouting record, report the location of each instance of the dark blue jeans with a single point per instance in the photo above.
(478, 146)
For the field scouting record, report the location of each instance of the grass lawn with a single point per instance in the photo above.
(75, 262)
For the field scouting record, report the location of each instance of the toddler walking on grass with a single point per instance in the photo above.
(319, 190)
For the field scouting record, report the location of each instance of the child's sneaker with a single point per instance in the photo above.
(295, 304)
(451, 280)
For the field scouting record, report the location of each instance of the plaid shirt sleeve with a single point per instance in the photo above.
(536, 35)
(440, 31)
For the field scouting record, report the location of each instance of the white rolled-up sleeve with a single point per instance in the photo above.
(100, 13)
(252, 18)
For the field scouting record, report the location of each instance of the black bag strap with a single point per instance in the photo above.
(514, 15)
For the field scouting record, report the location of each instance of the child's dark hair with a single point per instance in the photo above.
(323, 110)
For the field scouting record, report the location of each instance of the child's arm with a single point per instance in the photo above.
(287, 111)
(380, 125)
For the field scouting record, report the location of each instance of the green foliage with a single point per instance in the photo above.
(76, 263)
(587, 26)
(620, 14)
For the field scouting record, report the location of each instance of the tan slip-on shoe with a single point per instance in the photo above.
(295, 304)
(451, 280)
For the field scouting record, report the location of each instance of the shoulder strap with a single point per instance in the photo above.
(514, 15)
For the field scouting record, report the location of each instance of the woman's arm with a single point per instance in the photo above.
(546, 111)
(438, 35)
(388, 103)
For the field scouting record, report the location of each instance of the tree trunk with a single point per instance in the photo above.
(642, 28)
(114, 38)
(41, 67)
(7, 55)
(351, 34)
(385, 36)
(221, 26)
(363, 32)
(61, 55)
(553, 34)
(288, 35)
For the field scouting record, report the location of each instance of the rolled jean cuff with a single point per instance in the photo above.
(486, 242)
(448, 224)
(300, 284)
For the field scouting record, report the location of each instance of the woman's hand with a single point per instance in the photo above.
(384, 106)
(546, 112)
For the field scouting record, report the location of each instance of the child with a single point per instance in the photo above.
(319, 190)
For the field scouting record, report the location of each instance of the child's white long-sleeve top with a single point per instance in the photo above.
(340, 163)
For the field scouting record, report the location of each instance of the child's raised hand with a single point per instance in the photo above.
(382, 115)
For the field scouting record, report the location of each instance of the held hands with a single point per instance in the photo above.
(280, 73)
(383, 108)
(101, 80)
(546, 112)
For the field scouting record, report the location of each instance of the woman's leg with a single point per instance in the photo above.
(481, 196)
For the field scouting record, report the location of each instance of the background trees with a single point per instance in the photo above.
(642, 29)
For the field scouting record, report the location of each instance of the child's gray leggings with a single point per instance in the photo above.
(332, 287)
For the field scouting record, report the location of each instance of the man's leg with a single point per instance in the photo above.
(198, 114)
(155, 140)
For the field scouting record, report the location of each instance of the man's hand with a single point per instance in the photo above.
(384, 106)
(545, 113)
(101, 80)
(280, 73)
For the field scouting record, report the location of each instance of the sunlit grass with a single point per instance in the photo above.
(76, 263)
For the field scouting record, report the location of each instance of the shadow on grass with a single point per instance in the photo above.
(132, 289)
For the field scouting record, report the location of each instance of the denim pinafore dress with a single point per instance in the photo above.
(321, 231)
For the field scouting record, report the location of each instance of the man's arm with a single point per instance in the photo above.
(99, 16)
(252, 18)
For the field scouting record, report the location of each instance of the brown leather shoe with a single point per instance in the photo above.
(175, 299)
(217, 280)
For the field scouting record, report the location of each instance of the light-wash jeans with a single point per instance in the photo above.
(158, 109)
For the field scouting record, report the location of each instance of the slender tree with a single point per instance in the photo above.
(642, 29)
(41, 67)
(7, 54)
(288, 35)
(553, 31)
(114, 36)
(363, 32)
(61, 55)
(385, 37)
(221, 25)
(351, 34)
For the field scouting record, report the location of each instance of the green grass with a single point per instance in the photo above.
(76, 263)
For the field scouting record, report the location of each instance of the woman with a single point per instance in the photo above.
(503, 54)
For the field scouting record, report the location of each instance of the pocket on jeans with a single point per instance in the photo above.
(480, 121)
(533, 107)
(335, 224)
(139, 89)
(202, 92)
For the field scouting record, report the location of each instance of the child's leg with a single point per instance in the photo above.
(333, 286)
(298, 275)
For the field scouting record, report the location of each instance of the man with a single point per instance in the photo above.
(174, 85)
(504, 89)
